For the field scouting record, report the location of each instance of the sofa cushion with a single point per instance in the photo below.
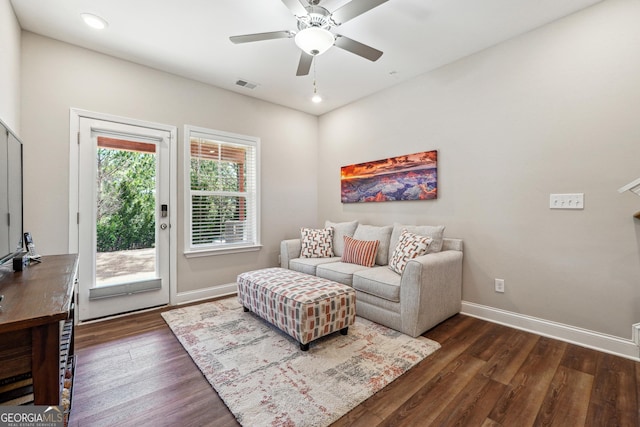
(309, 265)
(340, 229)
(316, 243)
(382, 234)
(362, 252)
(378, 281)
(409, 246)
(341, 272)
(435, 232)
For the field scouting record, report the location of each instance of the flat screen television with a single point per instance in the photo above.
(10, 194)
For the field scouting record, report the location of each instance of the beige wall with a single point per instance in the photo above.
(9, 67)
(57, 76)
(556, 110)
(553, 111)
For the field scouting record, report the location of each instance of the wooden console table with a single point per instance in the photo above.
(36, 310)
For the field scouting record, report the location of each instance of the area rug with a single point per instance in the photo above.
(265, 380)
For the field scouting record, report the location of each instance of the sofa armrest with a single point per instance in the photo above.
(430, 290)
(289, 249)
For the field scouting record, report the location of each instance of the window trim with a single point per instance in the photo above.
(221, 136)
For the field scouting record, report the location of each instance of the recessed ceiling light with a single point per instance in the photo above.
(94, 21)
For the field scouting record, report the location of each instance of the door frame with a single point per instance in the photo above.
(74, 152)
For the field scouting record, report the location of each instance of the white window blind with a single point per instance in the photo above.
(223, 190)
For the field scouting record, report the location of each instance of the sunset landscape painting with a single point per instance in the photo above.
(408, 177)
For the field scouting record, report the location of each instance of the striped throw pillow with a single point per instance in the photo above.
(409, 246)
(361, 252)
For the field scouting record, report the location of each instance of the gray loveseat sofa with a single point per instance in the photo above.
(428, 291)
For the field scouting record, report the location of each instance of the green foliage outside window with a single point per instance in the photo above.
(214, 175)
(126, 200)
(212, 213)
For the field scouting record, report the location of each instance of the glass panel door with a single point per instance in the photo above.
(123, 231)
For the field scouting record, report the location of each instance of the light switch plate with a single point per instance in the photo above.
(567, 201)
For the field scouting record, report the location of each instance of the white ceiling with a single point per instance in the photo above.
(190, 38)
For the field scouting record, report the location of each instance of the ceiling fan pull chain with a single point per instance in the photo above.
(316, 96)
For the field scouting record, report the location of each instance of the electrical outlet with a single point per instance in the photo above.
(566, 201)
(499, 285)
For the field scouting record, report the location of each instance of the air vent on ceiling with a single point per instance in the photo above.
(246, 84)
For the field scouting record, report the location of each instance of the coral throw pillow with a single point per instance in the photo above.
(362, 252)
(409, 246)
(316, 243)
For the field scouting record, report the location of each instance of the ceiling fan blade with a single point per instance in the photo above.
(358, 48)
(354, 8)
(295, 7)
(305, 64)
(247, 38)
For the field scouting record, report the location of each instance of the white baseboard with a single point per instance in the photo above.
(582, 337)
(206, 293)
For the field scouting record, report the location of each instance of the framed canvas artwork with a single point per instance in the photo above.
(408, 177)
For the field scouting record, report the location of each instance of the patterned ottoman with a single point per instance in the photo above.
(303, 306)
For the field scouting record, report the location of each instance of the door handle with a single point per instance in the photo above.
(163, 226)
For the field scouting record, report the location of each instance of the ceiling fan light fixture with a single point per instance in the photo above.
(94, 21)
(314, 40)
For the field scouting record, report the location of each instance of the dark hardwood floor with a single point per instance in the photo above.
(132, 371)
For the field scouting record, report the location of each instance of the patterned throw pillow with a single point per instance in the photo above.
(316, 243)
(409, 246)
(361, 252)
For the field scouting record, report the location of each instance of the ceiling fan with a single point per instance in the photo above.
(313, 36)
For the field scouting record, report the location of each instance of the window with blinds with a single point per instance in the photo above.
(223, 190)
